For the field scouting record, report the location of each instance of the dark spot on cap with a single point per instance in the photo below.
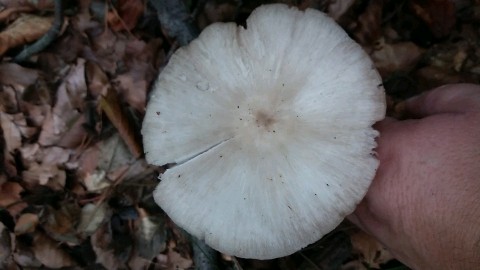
(158, 113)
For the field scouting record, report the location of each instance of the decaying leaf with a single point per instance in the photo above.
(337, 8)
(439, 15)
(11, 133)
(398, 57)
(5, 246)
(26, 223)
(91, 218)
(10, 197)
(25, 29)
(16, 75)
(100, 243)
(150, 235)
(370, 250)
(44, 174)
(110, 104)
(63, 123)
(49, 253)
(60, 223)
(126, 14)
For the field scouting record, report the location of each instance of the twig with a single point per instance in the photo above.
(44, 41)
(176, 20)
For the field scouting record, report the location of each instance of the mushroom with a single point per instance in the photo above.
(269, 130)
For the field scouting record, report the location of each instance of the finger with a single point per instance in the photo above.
(452, 98)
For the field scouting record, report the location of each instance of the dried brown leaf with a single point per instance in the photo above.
(389, 58)
(26, 223)
(60, 223)
(126, 15)
(369, 27)
(11, 133)
(8, 99)
(10, 193)
(110, 104)
(93, 216)
(10, 197)
(16, 75)
(49, 253)
(97, 81)
(337, 8)
(62, 125)
(25, 29)
(370, 250)
(5, 244)
(44, 174)
(439, 15)
(101, 241)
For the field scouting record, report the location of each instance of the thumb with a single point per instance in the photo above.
(452, 98)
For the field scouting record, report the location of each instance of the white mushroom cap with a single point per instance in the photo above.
(271, 130)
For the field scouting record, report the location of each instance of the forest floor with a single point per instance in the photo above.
(75, 190)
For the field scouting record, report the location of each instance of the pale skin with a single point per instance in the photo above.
(424, 203)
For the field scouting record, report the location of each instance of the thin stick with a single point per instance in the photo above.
(44, 41)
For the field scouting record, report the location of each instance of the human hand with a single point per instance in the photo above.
(424, 203)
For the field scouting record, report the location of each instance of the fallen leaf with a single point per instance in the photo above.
(60, 223)
(5, 245)
(110, 104)
(44, 174)
(26, 223)
(389, 58)
(177, 261)
(63, 122)
(126, 15)
(8, 99)
(151, 235)
(49, 253)
(370, 250)
(24, 257)
(439, 15)
(11, 133)
(369, 27)
(101, 241)
(336, 8)
(92, 217)
(25, 29)
(10, 197)
(16, 75)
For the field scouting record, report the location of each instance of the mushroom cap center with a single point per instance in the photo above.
(264, 120)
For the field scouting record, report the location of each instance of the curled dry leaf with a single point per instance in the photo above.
(91, 218)
(101, 241)
(62, 125)
(126, 14)
(389, 58)
(370, 250)
(25, 29)
(439, 15)
(5, 245)
(369, 27)
(10, 197)
(26, 223)
(110, 104)
(44, 174)
(60, 224)
(337, 8)
(11, 133)
(16, 75)
(150, 235)
(49, 252)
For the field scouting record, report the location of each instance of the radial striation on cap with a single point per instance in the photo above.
(271, 130)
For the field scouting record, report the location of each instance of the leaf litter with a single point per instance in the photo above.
(75, 191)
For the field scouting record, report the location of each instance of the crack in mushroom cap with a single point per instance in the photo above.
(270, 127)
